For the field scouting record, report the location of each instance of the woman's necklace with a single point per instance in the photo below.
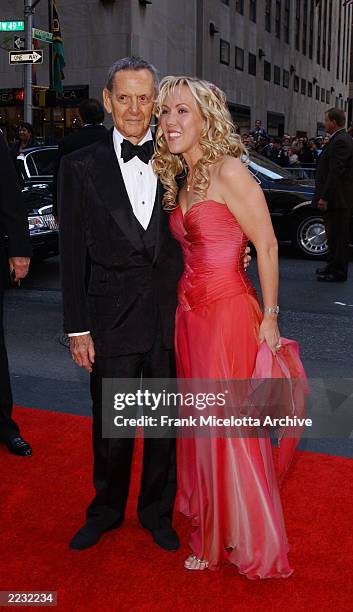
(189, 185)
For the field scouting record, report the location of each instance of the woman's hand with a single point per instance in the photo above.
(270, 333)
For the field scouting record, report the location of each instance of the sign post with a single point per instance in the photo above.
(12, 26)
(18, 43)
(28, 56)
(43, 35)
(28, 68)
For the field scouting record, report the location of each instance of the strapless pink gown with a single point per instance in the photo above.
(228, 487)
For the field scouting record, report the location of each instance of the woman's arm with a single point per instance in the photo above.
(246, 201)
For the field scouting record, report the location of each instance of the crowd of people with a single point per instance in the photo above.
(288, 151)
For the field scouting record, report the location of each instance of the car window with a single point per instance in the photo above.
(41, 163)
(268, 168)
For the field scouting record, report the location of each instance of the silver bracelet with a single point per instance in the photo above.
(271, 309)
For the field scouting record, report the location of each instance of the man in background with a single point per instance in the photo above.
(92, 116)
(14, 225)
(334, 195)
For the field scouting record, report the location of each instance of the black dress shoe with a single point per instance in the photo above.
(331, 278)
(18, 446)
(324, 270)
(167, 538)
(89, 535)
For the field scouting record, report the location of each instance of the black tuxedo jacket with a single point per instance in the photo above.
(13, 215)
(334, 173)
(129, 290)
(84, 137)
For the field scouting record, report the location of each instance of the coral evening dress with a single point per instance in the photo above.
(228, 487)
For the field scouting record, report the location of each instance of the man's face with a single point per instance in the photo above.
(330, 126)
(257, 123)
(131, 102)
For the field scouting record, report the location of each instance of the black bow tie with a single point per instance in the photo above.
(143, 152)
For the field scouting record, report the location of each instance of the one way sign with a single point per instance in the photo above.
(26, 57)
(18, 43)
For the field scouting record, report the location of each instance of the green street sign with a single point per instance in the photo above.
(42, 35)
(12, 26)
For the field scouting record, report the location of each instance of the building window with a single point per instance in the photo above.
(239, 58)
(339, 42)
(224, 52)
(267, 71)
(252, 64)
(319, 24)
(322, 94)
(310, 90)
(297, 25)
(344, 43)
(275, 125)
(252, 13)
(239, 6)
(305, 26)
(286, 20)
(327, 96)
(296, 83)
(278, 19)
(241, 116)
(311, 29)
(349, 19)
(329, 37)
(277, 75)
(336, 102)
(324, 26)
(268, 7)
(286, 79)
(317, 92)
(303, 87)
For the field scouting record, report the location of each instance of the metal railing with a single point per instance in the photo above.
(302, 173)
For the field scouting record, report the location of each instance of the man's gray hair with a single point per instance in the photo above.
(132, 63)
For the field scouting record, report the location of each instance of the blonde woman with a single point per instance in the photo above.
(227, 486)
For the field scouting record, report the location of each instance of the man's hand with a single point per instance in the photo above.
(322, 204)
(247, 258)
(82, 351)
(19, 267)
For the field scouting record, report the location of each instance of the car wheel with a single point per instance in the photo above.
(309, 237)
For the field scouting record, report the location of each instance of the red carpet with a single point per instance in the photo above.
(42, 504)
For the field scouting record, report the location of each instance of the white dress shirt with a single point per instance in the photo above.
(140, 182)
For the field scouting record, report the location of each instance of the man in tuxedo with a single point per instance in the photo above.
(91, 114)
(14, 225)
(123, 324)
(334, 195)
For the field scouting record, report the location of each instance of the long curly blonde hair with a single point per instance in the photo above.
(218, 138)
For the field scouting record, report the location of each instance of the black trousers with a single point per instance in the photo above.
(113, 457)
(337, 228)
(8, 427)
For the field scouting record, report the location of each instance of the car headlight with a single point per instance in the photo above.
(35, 223)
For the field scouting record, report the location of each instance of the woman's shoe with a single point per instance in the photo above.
(193, 563)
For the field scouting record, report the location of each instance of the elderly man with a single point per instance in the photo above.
(110, 206)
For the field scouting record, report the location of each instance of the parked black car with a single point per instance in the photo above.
(36, 170)
(289, 202)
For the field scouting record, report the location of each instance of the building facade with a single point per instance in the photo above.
(282, 61)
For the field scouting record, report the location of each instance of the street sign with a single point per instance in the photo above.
(12, 26)
(42, 35)
(26, 57)
(18, 43)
